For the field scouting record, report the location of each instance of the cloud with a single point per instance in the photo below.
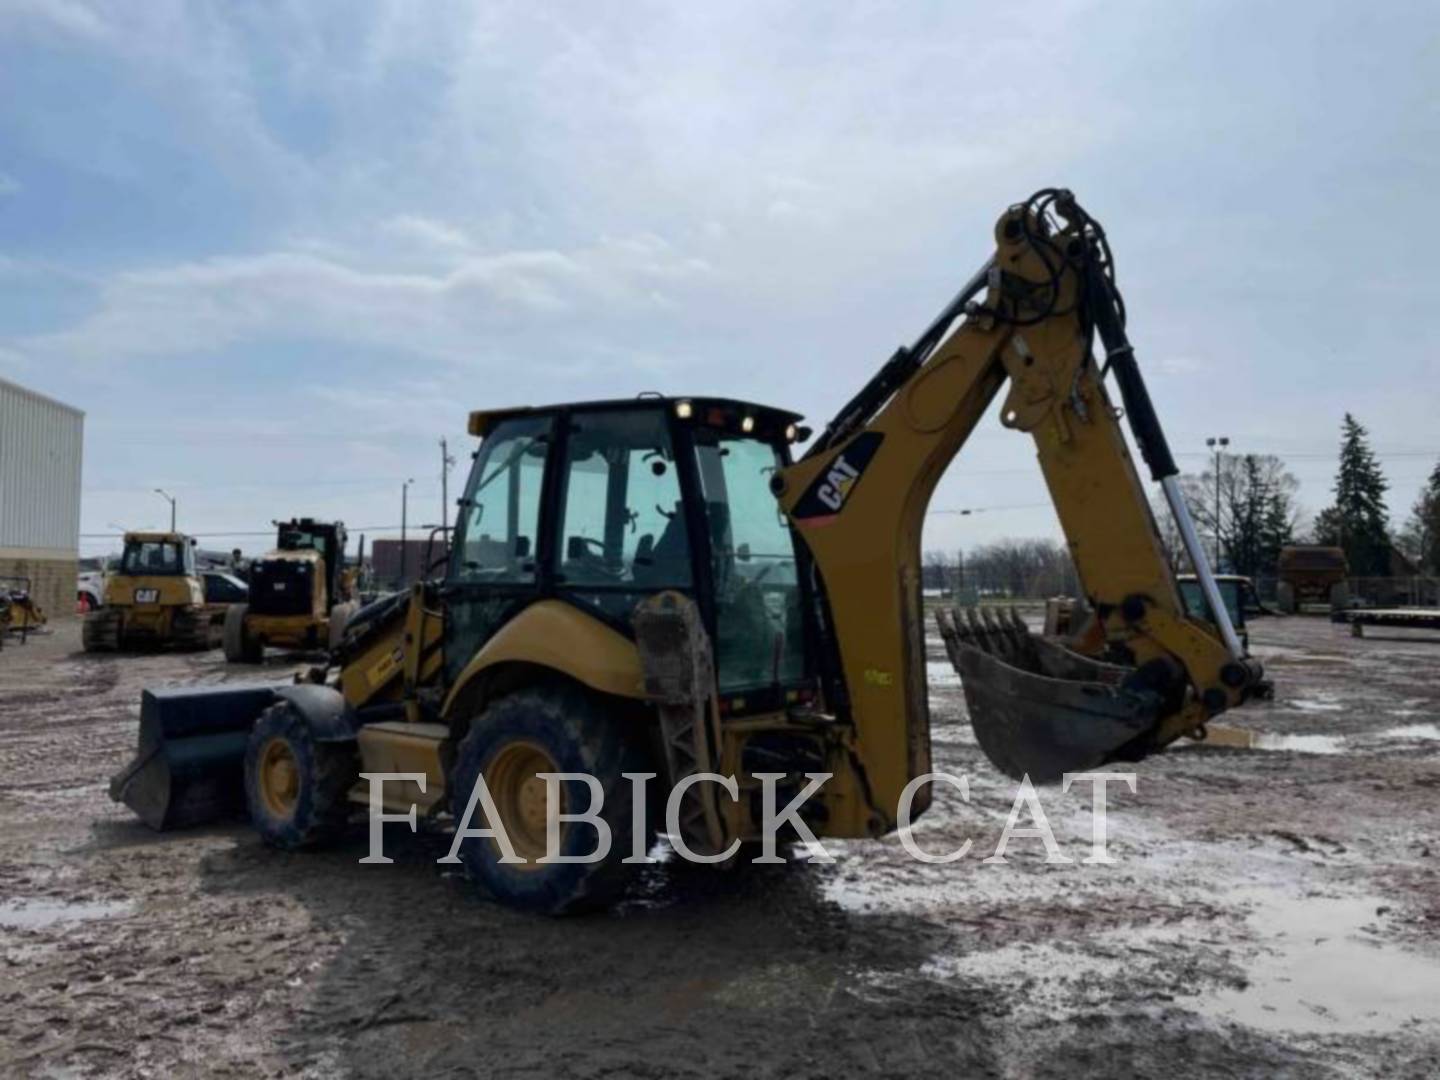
(66, 17)
(195, 307)
(425, 232)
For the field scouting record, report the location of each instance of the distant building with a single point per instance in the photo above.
(41, 443)
(386, 569)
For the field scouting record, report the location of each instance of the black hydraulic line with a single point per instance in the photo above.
(1120, 358)
(897, 370)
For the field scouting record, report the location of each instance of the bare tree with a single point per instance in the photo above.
(1023, 568)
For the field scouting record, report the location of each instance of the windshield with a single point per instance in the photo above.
(300, 540)
(1195, 599)
(757, 592)
(153, 557)
(500, 513)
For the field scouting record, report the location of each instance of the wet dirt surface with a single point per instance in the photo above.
(1271, 911)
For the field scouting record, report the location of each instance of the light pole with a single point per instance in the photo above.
(445, 462)
(171, 500)
(1217, 444)
(404, 511)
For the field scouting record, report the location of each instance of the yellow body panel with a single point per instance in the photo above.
(388, 665)
(402, 747)
(168, 590)
(556, 635)
(281, 631)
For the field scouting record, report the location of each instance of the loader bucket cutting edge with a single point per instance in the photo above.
(189, 765)
(1037, 709)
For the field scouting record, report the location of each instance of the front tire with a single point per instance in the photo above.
(296, 786)
(550, 728)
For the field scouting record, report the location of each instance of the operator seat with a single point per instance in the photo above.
(667, 560)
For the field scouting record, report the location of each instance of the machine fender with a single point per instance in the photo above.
(325, 711)
(554, 635)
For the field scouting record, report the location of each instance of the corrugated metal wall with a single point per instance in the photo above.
(41, 442)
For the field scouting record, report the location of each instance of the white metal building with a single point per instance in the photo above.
(41, 444)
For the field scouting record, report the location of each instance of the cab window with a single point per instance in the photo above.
(622, 524)
(500, 511)
(153, 557)
(758, 613)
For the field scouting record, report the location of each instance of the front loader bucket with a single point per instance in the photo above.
(190, 763)
(1038, 709)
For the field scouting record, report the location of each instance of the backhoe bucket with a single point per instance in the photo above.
(1038, 709)
(190, 764)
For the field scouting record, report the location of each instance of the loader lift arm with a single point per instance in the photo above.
(859, 496)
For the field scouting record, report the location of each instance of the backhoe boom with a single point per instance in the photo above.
(858, 500)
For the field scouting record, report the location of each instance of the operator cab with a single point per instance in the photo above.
(1237, 593)
(604, 503)
(157, 555)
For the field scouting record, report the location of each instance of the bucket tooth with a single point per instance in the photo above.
(1038, 709)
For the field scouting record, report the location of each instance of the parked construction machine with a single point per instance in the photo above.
(300, 593)
(656, 585)
(1312, 574)
(19, 613)
(154, 598)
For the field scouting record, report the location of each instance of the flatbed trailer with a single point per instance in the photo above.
(1408, 618)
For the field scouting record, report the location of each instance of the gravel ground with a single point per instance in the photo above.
(1272, 911)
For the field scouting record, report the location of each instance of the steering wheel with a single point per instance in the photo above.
(597, 546)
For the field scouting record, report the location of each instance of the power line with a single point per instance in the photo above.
(201, 534)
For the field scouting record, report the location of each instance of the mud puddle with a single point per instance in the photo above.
(39, 914)
(1314, 743)
(1322, 968)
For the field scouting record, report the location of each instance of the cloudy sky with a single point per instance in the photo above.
(276, 251)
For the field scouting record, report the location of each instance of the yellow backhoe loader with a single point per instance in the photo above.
(154, 599)
(654, 585)
(300, 594)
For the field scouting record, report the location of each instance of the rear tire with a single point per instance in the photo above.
(240, 647)
(296, 786)
(577, 734)
(101, 631)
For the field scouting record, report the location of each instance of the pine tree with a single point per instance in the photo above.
(1421, 535)
(1358, 520)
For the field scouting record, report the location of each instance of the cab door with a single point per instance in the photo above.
(494, 561)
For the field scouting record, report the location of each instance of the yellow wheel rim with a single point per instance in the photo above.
(279, 777)
(521, 797)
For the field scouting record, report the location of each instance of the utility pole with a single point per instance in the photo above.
(171, 500)
(404, 511)
(1217, 444)
(445, 462)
